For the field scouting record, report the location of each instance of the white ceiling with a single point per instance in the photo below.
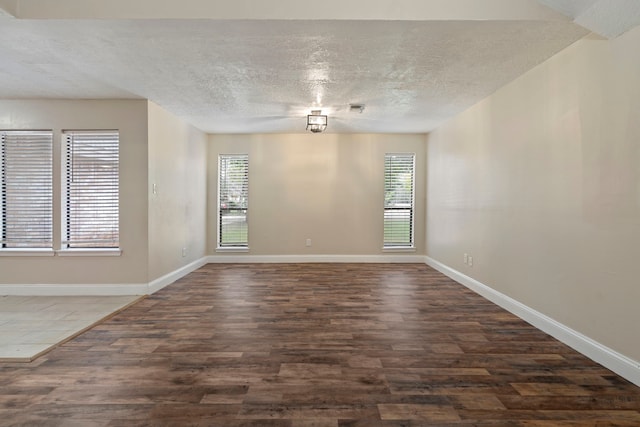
(224, 69)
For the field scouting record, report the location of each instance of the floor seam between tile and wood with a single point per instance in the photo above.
(23, 317)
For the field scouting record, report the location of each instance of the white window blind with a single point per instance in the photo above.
(398, 199)
(233, 197)
(27, 194)
(91, 193)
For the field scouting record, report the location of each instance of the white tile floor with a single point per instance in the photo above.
(29, 326)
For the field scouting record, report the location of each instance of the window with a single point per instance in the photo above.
(91, 190)
(26, 189)
(233, 195)
(398, 200)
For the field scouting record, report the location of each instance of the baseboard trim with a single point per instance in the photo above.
(82, 289)
(289, 259)
(169, 278)
(159, 283)
(98, 289)
(611, 359)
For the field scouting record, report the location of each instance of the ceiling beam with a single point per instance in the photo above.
(608, 18)
(611, 18)
(405, 10)
(8, 8)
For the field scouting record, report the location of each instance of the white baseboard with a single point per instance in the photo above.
(167, 279)
(288, 259)
(611, 359)
(159, 283)
(618, 363)
(101, 289)
(94, 289)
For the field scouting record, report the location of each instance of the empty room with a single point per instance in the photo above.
(345, 213)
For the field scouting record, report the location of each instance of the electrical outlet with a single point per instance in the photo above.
(470, 261)
(308, 243)
(466, 258)
(184, 252)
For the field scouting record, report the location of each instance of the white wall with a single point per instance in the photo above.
(177, 210)
(325, 187)
(540, 183)
(130, 118)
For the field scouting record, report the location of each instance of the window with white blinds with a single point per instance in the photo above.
(233, 198)
(26, 187)
(398, 199)
(91, 190)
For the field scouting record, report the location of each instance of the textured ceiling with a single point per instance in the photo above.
(254, 76)
(609, 18)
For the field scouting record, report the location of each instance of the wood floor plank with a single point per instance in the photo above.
(315, 345)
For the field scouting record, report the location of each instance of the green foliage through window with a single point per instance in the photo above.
(233, 200)
(398, 199)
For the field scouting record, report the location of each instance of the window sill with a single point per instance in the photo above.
(26, 252)
(89, 252)
(398, 249)
(232, 249)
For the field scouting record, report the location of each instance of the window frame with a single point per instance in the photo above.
(233, 246)
(74, 247)
(400, 246)
(42, 167)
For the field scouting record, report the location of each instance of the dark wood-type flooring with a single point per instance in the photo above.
(315, 345)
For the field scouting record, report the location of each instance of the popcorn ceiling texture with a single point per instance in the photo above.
(262, 76)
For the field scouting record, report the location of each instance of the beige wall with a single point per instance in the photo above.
(325, 187)
(177, 210)
(540, 183)
(130, 118)
(283, 9)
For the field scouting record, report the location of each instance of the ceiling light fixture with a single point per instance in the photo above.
(316, 122)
